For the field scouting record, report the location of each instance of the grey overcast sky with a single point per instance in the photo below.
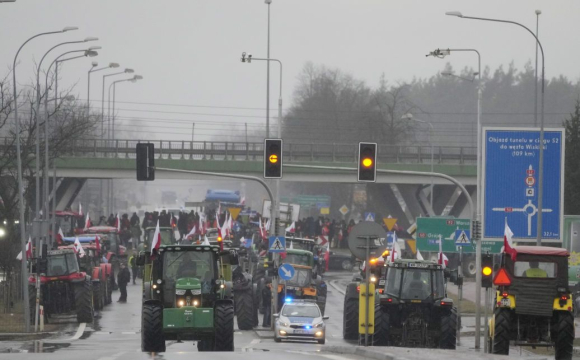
(188, 50)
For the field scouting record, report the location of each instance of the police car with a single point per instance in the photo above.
(300, 320)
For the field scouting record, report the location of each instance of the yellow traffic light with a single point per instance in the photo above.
(367, 162)
(486, 271)
(273, 158)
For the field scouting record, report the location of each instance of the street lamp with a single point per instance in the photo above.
(268, 2)
(90, 52)
(126, 71)
(409, 117)
(541, 160)
(441, 53)
(114, 85)
(19, 175)
(92, 70)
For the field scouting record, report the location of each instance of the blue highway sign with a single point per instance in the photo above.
(510, 183)
(286, 271)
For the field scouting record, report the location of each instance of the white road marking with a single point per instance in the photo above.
(113, 357)
(77, 335)
(249, 348)
(332, 283)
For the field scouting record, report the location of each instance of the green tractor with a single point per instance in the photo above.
(411, 307)
(186, 297)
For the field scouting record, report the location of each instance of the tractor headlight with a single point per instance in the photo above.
(180, 292)
(373, 279)
(195, 302)
(181, 303)
(154, 286)
(159, 281)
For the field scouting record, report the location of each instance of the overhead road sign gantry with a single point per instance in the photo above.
(510, 191)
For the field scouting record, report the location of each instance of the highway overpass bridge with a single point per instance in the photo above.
(98, 159)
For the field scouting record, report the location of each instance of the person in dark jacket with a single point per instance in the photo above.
(123, 278)
(267, 301)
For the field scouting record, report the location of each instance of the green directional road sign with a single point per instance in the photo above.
(429, 230)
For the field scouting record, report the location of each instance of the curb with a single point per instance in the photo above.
(269, 334)
(80, 331)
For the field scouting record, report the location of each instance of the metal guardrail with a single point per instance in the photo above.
(293, 152)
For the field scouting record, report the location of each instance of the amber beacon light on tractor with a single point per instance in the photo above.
(273, 158)
(367, 162)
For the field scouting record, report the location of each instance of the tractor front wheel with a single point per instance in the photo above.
(501, 332)
(564, 340)
(350, 318)
(84, 301)
(152, 339)
(224, 327)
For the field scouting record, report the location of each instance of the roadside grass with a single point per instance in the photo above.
(467, 306)
(13, 321)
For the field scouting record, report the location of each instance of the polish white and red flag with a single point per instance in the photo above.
(80, 209)
(97, 245)
(508, 244)
(441, 258)
(87, 222)
(191, 232)
(291, 228)
(118, 223)
(419, 256)
(243, 200)
(395, 251)
(78, 248)
(28, 251)
(156, 242)
(59, 236)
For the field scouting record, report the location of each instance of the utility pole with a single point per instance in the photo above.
(192, 131)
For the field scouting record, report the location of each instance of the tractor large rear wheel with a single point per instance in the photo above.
(84, 301)
(448, 339)
(244, 302)
(501, 332)
(350, 319)
(224, 327)
(380, 337)
(564, 340)
(152, 339)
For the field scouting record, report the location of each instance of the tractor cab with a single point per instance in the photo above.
(533, 304)
(415, 281)
(167, 237)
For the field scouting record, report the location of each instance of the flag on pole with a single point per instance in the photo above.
(156, 241)
(419, 256)
(80, 209)
(508, 245)
(97, 245)
(59, 237)
(205, 240)
(118, 223)
(243, 200)
(291, 228)
(291, 245)
(78, 248)
(28, 250)
(442, 259)
(87, 222)
(191, 232)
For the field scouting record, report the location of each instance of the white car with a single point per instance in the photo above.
(300, 320)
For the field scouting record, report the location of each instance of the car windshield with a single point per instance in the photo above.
(414, 284)
(297, 259)
(301, 244)
(180, 264)
(301, 277)
(62, 264)
(309, 311)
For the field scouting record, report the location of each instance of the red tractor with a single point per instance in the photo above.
(111, 248)
(71, 223)
(64, 288)
(101, 273)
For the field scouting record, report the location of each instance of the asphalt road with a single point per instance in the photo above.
(115, 334)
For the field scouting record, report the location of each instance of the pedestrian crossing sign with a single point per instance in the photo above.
(462, 238)
(369, 216)
(276, 244)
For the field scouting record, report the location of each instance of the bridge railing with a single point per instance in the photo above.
(293, 152)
